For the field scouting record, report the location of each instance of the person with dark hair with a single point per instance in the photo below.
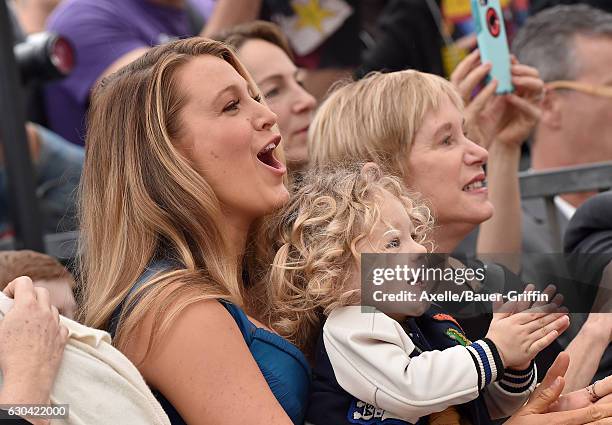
(408, 38)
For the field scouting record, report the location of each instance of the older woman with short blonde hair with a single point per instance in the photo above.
(416, 126)
(363, 119)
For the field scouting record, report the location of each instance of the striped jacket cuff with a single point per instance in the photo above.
(518, 381)
(487, 361)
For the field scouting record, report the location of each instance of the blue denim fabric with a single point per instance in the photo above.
(57, 172)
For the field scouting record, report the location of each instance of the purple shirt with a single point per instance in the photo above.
(205, 7)
(102, 31)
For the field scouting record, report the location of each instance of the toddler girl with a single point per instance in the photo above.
(375, 368)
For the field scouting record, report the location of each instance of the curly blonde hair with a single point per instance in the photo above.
(315, 234)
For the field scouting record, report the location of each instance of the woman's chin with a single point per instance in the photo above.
(281, 198)
(269, 202)
(480, 213)
(486, 212)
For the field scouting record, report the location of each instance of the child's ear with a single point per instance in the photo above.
(370, 167)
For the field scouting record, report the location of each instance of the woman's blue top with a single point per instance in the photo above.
(282, 364)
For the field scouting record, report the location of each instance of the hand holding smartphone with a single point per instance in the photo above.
(493, 42)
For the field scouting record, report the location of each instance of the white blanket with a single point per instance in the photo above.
(100, 385)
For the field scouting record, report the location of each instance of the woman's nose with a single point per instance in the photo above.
(304, 101)
(475, 154)
(265, 118)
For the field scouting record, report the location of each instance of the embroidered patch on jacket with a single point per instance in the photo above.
(365, 414)
(441, 317)
(453, 333)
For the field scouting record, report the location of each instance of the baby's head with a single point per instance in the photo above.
(338, 212)
(45, 271)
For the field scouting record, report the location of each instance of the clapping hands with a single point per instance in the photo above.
(521, 329)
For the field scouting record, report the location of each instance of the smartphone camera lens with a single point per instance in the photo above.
(484, 2)
(493, 23)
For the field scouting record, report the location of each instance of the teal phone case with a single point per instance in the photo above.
(493, 42)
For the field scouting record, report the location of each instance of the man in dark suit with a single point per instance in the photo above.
(571, 46)
(538, 239)
(588, 243)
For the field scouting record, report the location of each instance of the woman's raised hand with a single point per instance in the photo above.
(507, 119)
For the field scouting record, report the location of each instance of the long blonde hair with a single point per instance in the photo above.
(376, 118)
(314, 237)
(141, 200)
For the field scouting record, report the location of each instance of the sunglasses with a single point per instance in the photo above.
(592, 89)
